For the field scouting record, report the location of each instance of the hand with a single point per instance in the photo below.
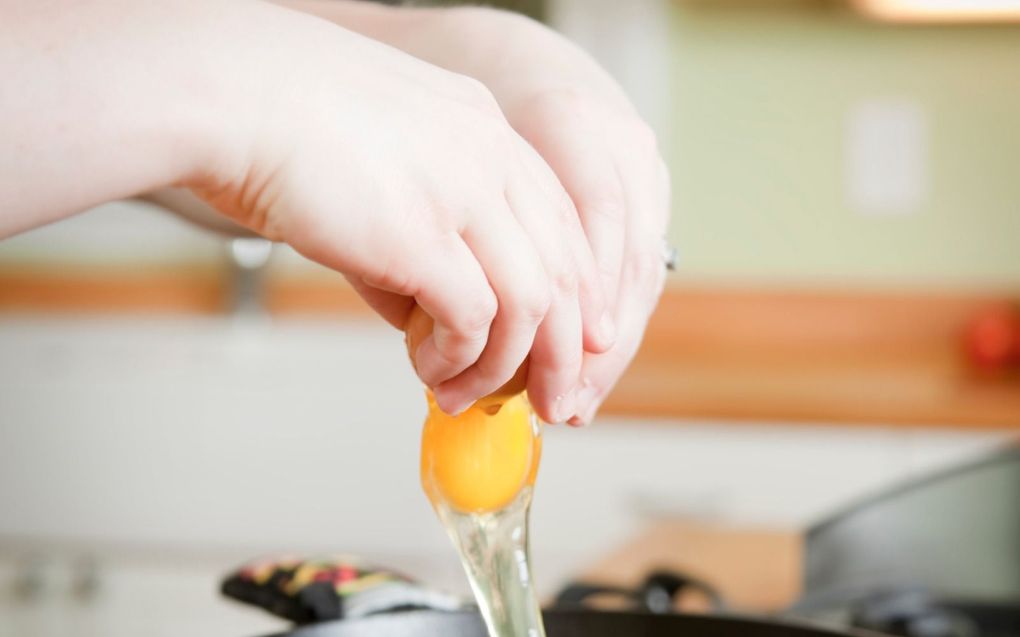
(581, 123)
(401, 175)
(408, 179)
(604, 155)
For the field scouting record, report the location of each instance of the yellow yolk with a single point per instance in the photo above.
(479, 461)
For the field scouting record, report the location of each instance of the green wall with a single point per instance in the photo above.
(761, 97)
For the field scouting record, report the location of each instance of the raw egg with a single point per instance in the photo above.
(479, 461)
(478, 470)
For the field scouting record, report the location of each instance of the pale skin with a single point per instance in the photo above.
(466, 160)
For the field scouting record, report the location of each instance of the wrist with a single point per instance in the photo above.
(256, 60)
(516, 57)
(199, 85)
(468, 40)
(400, 27)
(477, 41)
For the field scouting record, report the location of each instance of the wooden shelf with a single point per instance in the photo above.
(878, 358)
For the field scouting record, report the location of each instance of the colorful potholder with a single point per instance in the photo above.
(314, 590)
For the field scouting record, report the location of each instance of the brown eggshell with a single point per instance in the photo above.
(419, 327)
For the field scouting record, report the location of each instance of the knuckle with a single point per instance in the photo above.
(479, 96)
(565, 211)
(450, 357)
(643, 134)
(527, 307)
(564, 101)
(565, 282)
(394, 275)
(534, 305)
(494, 374)
(477, 317)
(646, 269)
(608, 206)
(430, 210)
(570, 100)
(457, 354)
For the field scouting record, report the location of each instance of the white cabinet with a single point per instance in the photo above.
(126, 597)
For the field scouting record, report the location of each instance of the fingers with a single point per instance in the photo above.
(557, 350)
(447, 281)
(642, 278)
(598, 327)
(433, 268)
(550, 297)
(556, 361)
(519, 280)
(546, 211)
(600, 372)
(580, 156)
(394, 308)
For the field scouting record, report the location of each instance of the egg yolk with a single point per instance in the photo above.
(479, 461)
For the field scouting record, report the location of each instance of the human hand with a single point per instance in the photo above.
(603, 153)
(408, 179)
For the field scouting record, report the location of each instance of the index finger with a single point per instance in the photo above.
(450, 285)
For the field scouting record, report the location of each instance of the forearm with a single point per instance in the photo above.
(515, 57)
(105, 99)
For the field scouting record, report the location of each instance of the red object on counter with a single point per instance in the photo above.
(992, 339)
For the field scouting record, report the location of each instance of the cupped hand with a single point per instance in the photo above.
(604, 155)
(409, 180)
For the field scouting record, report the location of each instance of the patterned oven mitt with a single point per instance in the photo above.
(315, 590)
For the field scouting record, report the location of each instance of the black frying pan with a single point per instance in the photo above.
(560, 623)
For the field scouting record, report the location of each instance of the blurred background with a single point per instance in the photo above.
(844, 317)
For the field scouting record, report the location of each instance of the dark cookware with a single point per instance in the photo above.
(561, 623)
